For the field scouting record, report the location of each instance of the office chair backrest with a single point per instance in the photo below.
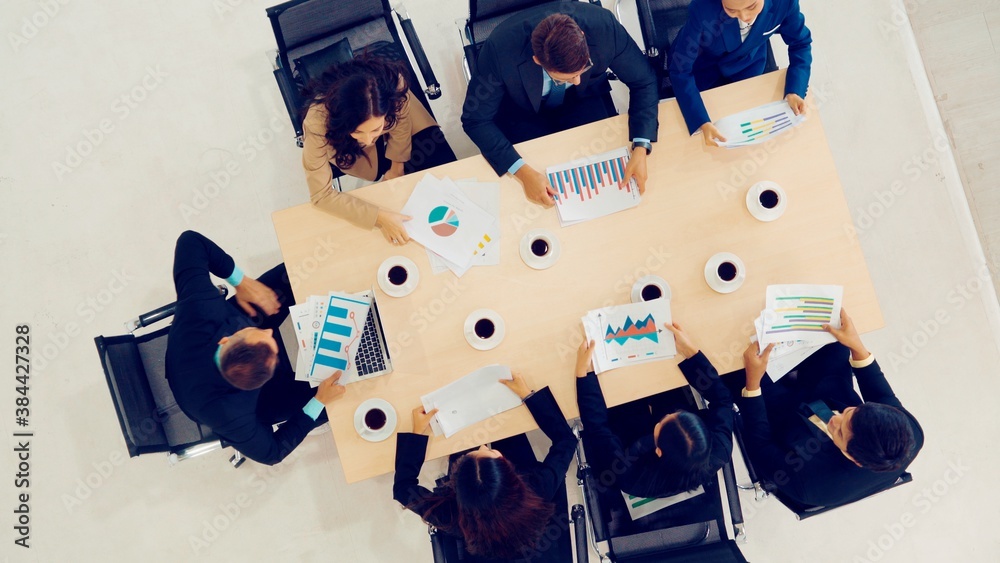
(486, 15)
(302, 27)
(669, 17)
(148, 414)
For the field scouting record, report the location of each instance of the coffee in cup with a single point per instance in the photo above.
(651, 292)
(768, 199)
(484, 328)
(727, 271)
(539, 247)
(375, 419)
(398, 275)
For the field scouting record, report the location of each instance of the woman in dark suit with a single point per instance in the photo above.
(499, 500)
(644, 450)
(725, 41)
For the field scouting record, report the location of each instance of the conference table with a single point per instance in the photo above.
(693, 207)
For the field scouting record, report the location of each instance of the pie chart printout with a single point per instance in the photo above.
(443, 221)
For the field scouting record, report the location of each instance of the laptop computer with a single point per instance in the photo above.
(372, 356)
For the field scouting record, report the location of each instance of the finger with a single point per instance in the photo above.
(767, 352)
(506, 382)
(590, 345)
(405, 218)
(247, 307)
(418, 410)
(336, 376)
(672, 328)
(642, 184)
(433, 412)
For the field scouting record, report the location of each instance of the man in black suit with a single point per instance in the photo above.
(545, 71)
(812, 435)
(224, 365)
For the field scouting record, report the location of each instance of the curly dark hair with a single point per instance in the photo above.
(354, 92)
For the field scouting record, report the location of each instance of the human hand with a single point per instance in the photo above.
(636, 168)
(797, 104)
(584, 361)
(422, 420)
(251, 292)
(395, 171)
(684, 345)
(848, 335)
(755, 364)
(536, 186)
(392, 226)
(329, 390)
(711, 133)
(517, 385)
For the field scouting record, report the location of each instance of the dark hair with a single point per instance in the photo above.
(496, 512)
(354, 92)
(882, 437)
(685, 445)
(559, 44)
(248, 366)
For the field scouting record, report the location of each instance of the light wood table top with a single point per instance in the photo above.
(694, 207)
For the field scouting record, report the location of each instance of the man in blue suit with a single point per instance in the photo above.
(725, 41)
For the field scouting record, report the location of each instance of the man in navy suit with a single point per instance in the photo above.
(725, 41)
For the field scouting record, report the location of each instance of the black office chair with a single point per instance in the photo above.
(150, 419)
(659, 22)
(484, 17)
(308, 34)
(554, 547)
(693, 530)
(764, 488)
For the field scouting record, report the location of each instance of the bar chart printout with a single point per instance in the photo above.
(341, 326)
(757, 125)
(798, 312)
(630, 334)
(592, 187)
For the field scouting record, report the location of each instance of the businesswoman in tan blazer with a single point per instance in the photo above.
(364, 120)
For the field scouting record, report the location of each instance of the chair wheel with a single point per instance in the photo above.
(237, 462)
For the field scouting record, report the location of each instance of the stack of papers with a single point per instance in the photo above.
(757, 125)
(793, 321)
(592, 187)
(487, 196)
(329, 330)
(447, 222)
(627, 335)
(471, 399)
(639, 507)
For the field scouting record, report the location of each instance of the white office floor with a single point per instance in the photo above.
(195, 136)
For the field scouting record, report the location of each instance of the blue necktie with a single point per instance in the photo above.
(556, 94)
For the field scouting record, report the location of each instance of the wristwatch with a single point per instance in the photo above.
(643, 144)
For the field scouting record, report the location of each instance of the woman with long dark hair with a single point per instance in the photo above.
(363, 119)
(666, 450)
(498, 500)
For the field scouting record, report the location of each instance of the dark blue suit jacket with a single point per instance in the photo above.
(708, 52)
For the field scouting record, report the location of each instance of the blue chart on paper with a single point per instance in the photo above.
(338, 329)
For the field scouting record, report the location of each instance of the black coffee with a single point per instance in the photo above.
(539, 247)
(398, 275)
(769, 199)
(651, 292)
(484, 328)
(727, 271)
(375, 419)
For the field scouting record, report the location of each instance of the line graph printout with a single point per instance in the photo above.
(630, 334)
(798, 312)
(757, 125)
(592, 187)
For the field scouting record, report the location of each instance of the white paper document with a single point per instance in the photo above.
(471, 399)
(630, 334)
(487, 196)
(339, 334)
(639, 507)
(798, 312)
(448, 223)
(757, 125)
(785, 356)
(591, 187)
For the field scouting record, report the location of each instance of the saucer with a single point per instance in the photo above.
(390, 420)
(712, 268)
(760, 212)
(539, 262)
(650, 280)
(470, 329)
(413, 277)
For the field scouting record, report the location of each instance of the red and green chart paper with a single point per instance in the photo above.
(592, 187)
(630, 334)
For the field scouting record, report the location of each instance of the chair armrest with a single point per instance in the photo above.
(157, 315)
(433, 89)
(437, 545)
(647, 27)
(733, 497)
(579, 517)
(290, 95)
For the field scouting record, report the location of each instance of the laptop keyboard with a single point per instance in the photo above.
(369, 357)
